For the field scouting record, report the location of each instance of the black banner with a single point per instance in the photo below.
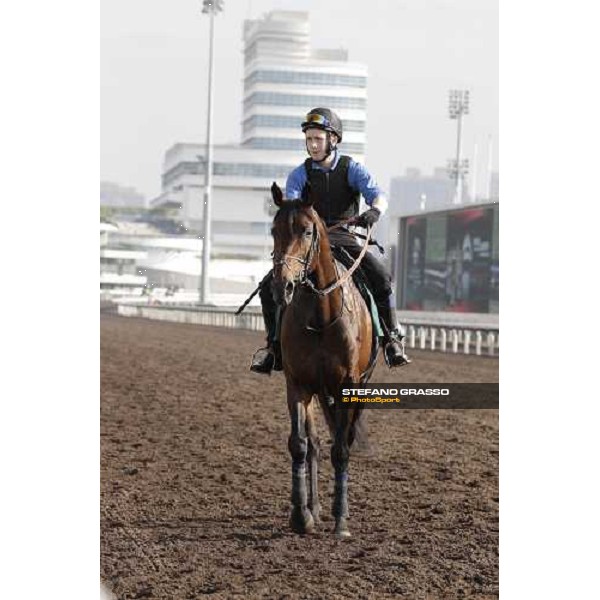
(419, 395)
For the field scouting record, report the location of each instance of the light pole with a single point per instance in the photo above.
(210, 7)
(474, 174)
(488, 187)
(458, 168)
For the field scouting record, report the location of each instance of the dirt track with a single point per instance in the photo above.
(195, 480)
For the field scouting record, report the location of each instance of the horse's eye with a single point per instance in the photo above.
(308, 233)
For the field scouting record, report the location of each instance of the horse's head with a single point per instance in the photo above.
(296, 241)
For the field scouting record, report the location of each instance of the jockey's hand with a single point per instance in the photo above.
(368, 218)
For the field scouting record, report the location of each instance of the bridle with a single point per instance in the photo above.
(282, 259)
(303, 278)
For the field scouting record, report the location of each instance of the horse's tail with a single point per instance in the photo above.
(361, 443)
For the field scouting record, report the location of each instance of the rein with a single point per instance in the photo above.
(306, 262)
(348, 274)
(340, 280)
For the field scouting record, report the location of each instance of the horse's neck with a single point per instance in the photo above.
(329, 306)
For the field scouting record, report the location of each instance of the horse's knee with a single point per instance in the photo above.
(339, 454)
(298, 447)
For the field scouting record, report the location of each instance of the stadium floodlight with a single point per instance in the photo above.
(458, 105)
(210, 7)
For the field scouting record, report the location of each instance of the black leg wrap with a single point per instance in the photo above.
(339, 458)
(298, 447)
(340, 498)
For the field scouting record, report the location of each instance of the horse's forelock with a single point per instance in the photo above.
(290, 208)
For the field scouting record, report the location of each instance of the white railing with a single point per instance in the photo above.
(453, 339)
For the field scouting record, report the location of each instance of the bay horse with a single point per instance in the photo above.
(326, 340)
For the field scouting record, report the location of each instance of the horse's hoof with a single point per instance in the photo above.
(341, 529)
(342, 534)
(302, 521)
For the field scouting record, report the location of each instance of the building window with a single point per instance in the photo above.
(274, 98)
(231, 169)
(251, 170)
(306, 78)
(283, 122)
(300, 145)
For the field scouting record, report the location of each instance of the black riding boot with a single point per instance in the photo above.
(268, 359)
(393, 341)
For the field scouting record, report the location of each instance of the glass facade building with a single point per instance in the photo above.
(284, 78)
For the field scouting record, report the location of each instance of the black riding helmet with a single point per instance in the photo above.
(325, 119)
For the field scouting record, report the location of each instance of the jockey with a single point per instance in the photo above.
(337, 182)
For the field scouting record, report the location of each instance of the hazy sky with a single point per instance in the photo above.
(154, 61)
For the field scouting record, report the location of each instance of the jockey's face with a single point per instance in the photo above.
(316, 143)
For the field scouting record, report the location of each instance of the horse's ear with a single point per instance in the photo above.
(277, 194)
(307, 195)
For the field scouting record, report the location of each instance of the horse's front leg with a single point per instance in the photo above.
(314, 452)
(340, 454)
(301, 519)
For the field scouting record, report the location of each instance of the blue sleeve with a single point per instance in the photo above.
(360, 179)
(295, 183)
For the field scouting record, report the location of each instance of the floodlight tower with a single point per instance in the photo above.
(210, 7)
(458, 168)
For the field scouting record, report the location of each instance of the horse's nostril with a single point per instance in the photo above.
(289, 287)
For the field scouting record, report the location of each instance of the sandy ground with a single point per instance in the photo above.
(196, 478)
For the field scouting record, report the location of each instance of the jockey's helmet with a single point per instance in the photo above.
(325, 119)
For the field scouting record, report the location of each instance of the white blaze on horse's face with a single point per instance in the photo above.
(293, 238)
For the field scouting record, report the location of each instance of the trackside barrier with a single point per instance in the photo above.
(454, 339)
(466, 340)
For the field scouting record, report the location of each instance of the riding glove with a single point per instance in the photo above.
(368, 218)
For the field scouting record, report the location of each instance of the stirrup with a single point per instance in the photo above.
(393, 351)
(263, 361)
